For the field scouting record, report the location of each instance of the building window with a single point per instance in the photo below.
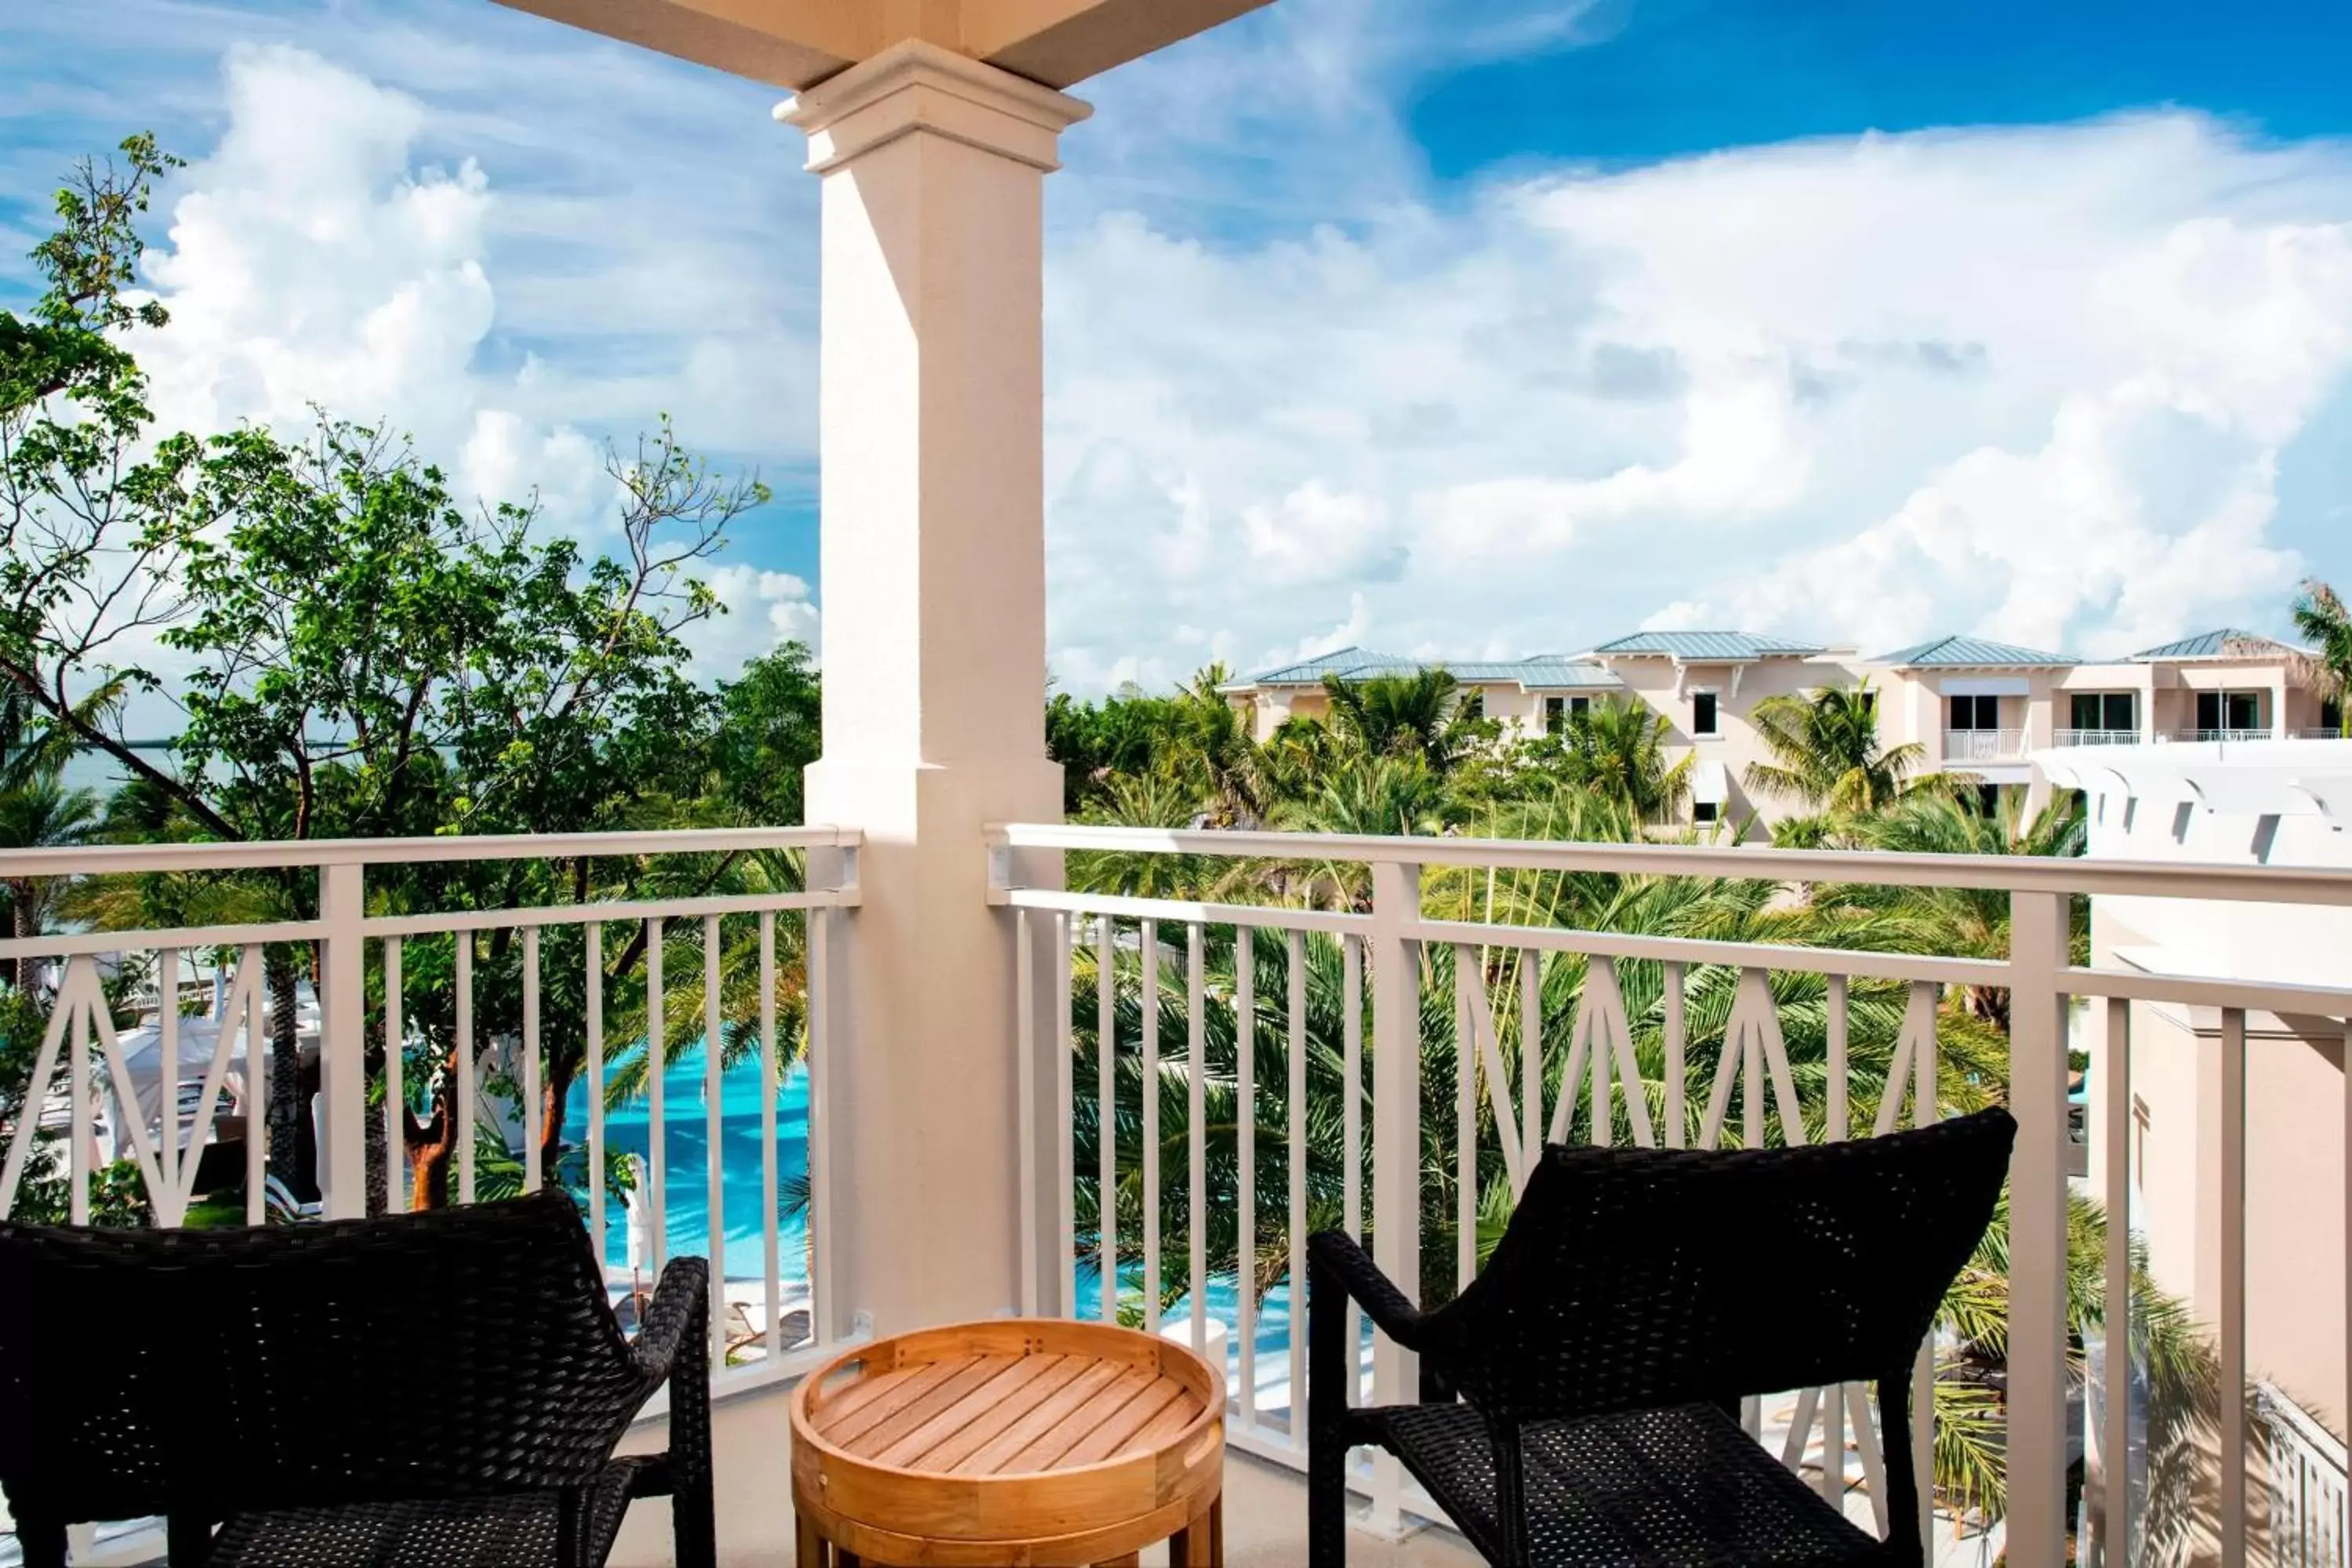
(1559, 710)
(1703, 718)
(2331, 715)
(1474, 705)
(2112, 712)
(1704, 811)
(2228, 711)
(1971, 713)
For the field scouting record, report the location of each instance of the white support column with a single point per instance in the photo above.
(934, 588)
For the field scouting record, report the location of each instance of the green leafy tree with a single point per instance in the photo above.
(1617, 750)
(770, 729)
(1425, 715)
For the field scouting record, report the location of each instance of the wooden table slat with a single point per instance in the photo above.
(981, 1371)
(1047, 1452)
(1114, 1434)
(849, 1429)
(912, 1450)
(991, 1459)
(1000, 1420)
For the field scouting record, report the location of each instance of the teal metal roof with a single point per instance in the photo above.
(2208, 644)
(1974, 653)
(1707, 647)
(1543, 672)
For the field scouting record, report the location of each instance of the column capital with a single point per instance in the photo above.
(919, 86)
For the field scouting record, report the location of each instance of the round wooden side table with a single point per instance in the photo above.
(1019, 1443)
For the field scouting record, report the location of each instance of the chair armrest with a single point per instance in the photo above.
(1335, 1255)
(677, 1322)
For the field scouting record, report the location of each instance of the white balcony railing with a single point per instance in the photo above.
(136, 1120)
(2227, 736)
(1326, 1119)
(2308, 1523)
(1983, 745)
(2097, 737)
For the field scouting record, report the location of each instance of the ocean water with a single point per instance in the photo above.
(686, 1147)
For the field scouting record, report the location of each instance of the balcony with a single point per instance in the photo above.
(1965, 746)
(2096, 738)
(1407, 1053)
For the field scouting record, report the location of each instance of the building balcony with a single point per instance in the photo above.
(1376, 1051)
(1964, 746)
(2096, 738)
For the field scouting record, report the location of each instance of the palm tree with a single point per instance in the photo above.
(1617, 750)
(1422, 714)
(1826, 751)
(38, 812)
(1967, 922)
(2321, 616)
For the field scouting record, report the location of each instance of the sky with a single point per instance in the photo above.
(1453, 330)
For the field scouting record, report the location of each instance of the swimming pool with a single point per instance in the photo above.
(686, 1146)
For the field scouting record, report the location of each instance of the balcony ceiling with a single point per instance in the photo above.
(796, 44)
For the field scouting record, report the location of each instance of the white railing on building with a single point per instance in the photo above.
(2096, 738)
(2308, 1525)
(87, 1073)
(1983, 745)
(1395, 948)
(2226, 737)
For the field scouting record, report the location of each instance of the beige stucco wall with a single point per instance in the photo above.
(2294, 1214)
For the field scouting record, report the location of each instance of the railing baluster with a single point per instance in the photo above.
(1196, 1132)
(167, 1047)
(256, 1087)
(657, 1198)
(818, 933)
(342, 1099)
(464, 1064)
(1467, 973)
(1107, 1114)
(1246, 1170)
(772, 1262)
(714, 1114)
(1063, 929)
(1926, 1112)
(1833, 1131)
(1024, 1108)
(2115, 1431)
(1531, 1106)
(81, 1126)
(534, 1118)
(1396, 1143)
(1148, 1011)
(2340, 1510)
(592, 945)
(1351, 1141)
(395, 1098)
(1294, 1204)
(2231, 1331)
(1677, 1114)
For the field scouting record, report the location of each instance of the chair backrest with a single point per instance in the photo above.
(1634, 1279)
(202, 1372)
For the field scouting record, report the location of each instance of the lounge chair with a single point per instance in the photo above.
(1637, 1297)
(445, 1387)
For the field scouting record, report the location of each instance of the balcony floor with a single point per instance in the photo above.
(1266, 1506)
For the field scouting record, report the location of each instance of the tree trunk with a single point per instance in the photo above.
(290, 1108)
(555, 1097)
(435, 1146)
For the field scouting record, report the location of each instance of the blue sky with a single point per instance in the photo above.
(1452, 330)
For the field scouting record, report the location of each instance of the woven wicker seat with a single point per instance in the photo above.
(1577, 1399)
(443, 1388)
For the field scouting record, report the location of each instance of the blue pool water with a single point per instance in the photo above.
(686, 1147)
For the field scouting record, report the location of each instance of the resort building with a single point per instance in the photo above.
(1972, 705)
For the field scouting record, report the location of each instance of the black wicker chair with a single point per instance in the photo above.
(1638, 1296)
(443, 1388)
